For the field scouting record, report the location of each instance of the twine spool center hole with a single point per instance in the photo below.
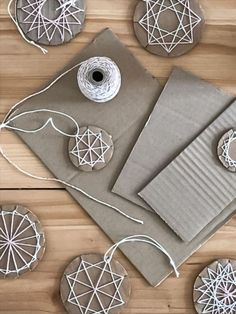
(97, 76)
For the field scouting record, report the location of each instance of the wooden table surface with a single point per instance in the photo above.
(69, 230)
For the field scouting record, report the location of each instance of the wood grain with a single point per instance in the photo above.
(69, 231)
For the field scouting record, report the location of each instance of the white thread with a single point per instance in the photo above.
(90, 148)
(5, 124)
(140, 238)
(218, 291)
(31, 42)
(45, 26)
(13, 243)
(226, 148)
(169, 39)
(95, 290)
(39, 92)
(48, 122)
(109, 84)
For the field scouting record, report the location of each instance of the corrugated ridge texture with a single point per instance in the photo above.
(194, 188)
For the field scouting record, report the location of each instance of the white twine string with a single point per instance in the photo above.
(48, 122)
(8, 119)
(139, 238)
(108, 87)
(31, 42)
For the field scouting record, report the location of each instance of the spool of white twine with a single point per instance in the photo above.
(99, 79)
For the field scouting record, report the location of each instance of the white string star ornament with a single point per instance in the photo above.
(168, 25)
(91, 149)
(92, 285)
(50, 22)
(99, 284)
(215, 288)
(226, 145)
(21, 241)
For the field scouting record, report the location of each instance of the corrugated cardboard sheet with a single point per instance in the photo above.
(194, 188)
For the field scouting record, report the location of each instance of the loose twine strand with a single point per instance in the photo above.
(143, 239)
(31, 42)
(7, 120)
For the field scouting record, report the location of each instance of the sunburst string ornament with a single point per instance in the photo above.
(215, 288)
(227, 150)
(21, 241)
(96, 283)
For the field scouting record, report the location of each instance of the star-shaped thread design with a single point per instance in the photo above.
(90, 148)
(95, 289)
(186, 20)
(19, 242)
(51, 27)
(219, 290)
(225, 150)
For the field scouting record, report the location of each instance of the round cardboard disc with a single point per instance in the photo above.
(168, 28)
(215, 288)
(91, 285)
(226, 150)
(50, 22)
(91, 149)
(22, 241)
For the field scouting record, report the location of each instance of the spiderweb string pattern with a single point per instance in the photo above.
(95, 290)
(20, 242)
(90, 148)
(218, 291)
(169, 39)
(46, 27)
(226, 150)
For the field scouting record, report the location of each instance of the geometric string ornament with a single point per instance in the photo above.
(227, 150)
(168, 24)
(96, 283)
(50, 22)
(215, 288)
(21, 241)
(92, 285)
(91, 149)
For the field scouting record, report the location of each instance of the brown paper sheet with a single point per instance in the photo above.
(186, 106)
(123, 118)
(194, 188)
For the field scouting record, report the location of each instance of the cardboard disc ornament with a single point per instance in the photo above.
(91, 149)
(168, 28)
(22, 241)
(215, 288)
(91, 284)
(96, 283)
(227, 150)
(50, 22)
